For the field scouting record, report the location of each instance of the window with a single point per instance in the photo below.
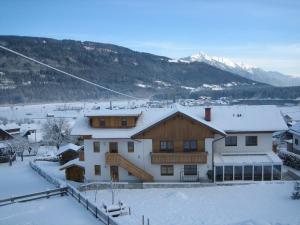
(248, 173)
(219, 173)
(277, 172)
(257, 173)
(267, 172)
(96, 146)
(251, 140)
(166, 146)
(97, 170)
(190, 169)
(166, 170)
(189, 146)
(238, 173)
(296, 141)
(231, 141)
(130, 146)
(113, 147)
(102, 122)
(124, 122)
(228, 173)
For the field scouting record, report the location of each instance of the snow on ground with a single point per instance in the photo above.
(20, 179)
(53, 211)
(255, 204)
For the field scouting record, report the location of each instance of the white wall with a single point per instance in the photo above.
(141, 157)
(297, 147)
(264, 143)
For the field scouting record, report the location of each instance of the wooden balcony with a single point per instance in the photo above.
(179, 158)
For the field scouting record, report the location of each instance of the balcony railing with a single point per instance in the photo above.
(179, 158)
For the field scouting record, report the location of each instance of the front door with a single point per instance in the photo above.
(114, 173)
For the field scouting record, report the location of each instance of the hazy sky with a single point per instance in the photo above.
(265, 33)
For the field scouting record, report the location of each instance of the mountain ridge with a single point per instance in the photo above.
(251, 72)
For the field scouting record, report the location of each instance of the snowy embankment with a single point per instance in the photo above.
(255, 204)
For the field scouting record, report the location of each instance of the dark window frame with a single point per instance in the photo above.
(96, 148)
(102, 122)
(167, 170)
(113, 147)
(231, 141)
(190, 170)
(130, 146)
(124, 122)
(249, 141)
(187, 146)
(168, 146)
(97, 170)
(296, 141)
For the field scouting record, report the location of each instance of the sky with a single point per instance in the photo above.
(263, 33)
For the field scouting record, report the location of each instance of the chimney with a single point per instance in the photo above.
(207, 114)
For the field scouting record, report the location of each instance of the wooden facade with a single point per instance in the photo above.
(4, 135)
(178, 128)
(67, 156)
(179, 158)
(113, 121)
(75, 173)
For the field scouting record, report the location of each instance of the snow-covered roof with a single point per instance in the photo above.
(295, 129)
(74, 162)
(223, 119)
(9, 126)
(106, 112)
(246, 158)
(68, 147)
(2, 145)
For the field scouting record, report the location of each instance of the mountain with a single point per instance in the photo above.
(244, 70)
(124, 70)
(136, 73)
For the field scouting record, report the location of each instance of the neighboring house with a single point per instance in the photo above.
(74, 169)
(68, 152)
(5, 152)
(294, 143)
(226, 143)
(11, 128)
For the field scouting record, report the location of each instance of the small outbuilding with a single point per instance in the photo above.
(74, 170)
(68, 152)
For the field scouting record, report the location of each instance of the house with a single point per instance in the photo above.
(293, 145)
(5, 152)
(222, 143)
(11, 128)
(75, 169)
(68, 152)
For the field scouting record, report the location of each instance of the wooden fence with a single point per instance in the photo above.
(34, 196)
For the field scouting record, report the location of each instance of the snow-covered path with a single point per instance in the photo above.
(20, 179)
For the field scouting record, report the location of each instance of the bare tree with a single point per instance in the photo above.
(17, 145)
(56, 131)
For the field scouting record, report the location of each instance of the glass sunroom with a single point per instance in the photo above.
(229, 167)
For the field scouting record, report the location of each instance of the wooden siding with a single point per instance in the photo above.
(179, 158)
(75, 173)
(81, 155)
(4, 135)
(67, 156)
(113, 121)
(178, 128)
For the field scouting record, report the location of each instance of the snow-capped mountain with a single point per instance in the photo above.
(244, 70)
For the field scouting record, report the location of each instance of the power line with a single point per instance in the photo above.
(66, 73)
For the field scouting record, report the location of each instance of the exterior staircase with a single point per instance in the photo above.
(115, 159)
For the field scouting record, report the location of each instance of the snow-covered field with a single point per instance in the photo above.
(256, 204)
(20, 179)
(53, 211)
